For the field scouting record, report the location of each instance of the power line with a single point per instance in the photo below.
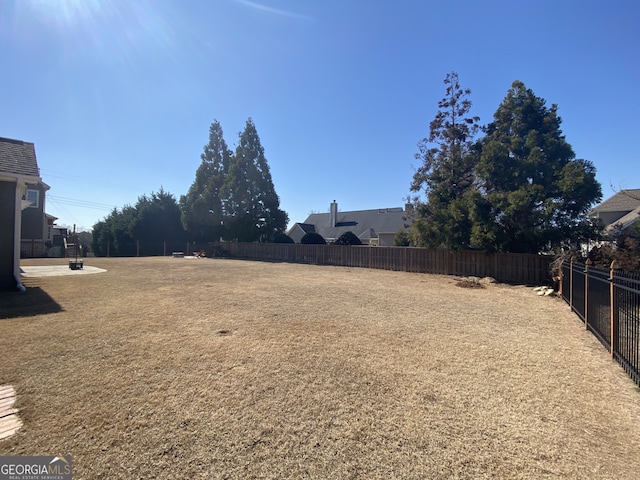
(79, 203)
(51, 173)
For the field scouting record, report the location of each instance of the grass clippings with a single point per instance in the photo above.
(208, 368)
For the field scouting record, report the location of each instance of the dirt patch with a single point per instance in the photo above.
(211, 368)
(469, 283)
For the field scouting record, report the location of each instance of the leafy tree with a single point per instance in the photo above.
(101, 238)
(152, 221)
(113, 235)
(157, 220)
(313, 238)
(201, 207)
(446, 175)
(533, 193)
(250, 205)
(348, 238)
(624, 249)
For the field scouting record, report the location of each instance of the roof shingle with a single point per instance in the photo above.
(623, 201)
(364, 224)
(18, 157)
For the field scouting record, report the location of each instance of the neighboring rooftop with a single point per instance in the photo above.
(365, 224)
(18, 157)
(625, 221)
(623, 201)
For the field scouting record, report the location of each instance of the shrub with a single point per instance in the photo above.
(348, 238)
(625, 252)
(402, 238)
(281, 238)
(313, 238)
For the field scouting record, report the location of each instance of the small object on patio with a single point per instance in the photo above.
(177, 254)
(76, 264)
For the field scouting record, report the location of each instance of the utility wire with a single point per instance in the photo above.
(79, 203)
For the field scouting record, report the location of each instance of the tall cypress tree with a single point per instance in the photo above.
(446, 175)
(250, 205)
(201, 207)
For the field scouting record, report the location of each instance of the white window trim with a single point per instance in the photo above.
(35, 204)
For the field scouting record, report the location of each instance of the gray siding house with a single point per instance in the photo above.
(19, 180)
(621, 210)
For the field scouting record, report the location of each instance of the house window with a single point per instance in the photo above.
(33, 196)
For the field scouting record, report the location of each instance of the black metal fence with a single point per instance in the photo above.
(608, 302)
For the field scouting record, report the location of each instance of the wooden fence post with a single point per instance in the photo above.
(404, 259)
(612, 306)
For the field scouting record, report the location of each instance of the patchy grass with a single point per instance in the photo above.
(199, 368)
(469, 283)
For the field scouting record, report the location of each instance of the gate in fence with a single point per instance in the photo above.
(608, 302)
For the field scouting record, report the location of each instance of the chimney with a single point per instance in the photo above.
(333, 213)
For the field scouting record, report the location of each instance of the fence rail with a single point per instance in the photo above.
(608, 302)
(504, 267)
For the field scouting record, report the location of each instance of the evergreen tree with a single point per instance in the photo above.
(152, 221)
(348, 238)
(201, 207)
(250, 205)
(157, 221)
(113, 235)
(533, 193)
(446, 175)
(313, 238)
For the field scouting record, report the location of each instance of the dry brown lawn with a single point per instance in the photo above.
(210, 368)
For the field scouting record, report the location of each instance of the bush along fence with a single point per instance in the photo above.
(504, 267)
(608, 302)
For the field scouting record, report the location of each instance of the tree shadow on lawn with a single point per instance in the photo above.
(34, 301)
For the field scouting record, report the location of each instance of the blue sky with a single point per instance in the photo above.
(118, 95)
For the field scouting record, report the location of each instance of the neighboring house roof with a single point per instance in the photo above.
(623, 201)
(18, 158)
(626, 221)
(365, 224)
(306, 227)
(619, 211)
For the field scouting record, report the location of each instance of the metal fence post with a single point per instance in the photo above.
(612, 307)
(586, 294)
(571, 284)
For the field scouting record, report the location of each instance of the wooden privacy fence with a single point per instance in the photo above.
(608, 302)
(504, 267)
